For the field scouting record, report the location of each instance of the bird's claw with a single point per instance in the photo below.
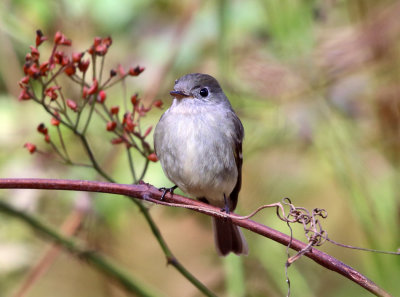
(166, 190)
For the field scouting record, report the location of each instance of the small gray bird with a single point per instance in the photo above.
(198, 141)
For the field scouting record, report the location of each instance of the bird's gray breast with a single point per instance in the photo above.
(195, 149)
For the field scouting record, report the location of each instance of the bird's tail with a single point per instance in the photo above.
(228, 237)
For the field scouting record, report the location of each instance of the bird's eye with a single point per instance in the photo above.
(204, 92)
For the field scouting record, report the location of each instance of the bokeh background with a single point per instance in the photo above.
(316, 84)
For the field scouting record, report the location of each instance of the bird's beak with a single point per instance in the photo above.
(179, 94)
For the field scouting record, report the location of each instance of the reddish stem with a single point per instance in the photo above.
(148, 192)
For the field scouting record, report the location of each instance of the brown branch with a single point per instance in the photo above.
(150, 193)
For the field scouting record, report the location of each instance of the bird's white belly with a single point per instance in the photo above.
(200, 157)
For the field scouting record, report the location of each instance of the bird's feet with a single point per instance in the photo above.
(226, 207)
(166, 190)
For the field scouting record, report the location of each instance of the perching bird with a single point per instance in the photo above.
(198, 141)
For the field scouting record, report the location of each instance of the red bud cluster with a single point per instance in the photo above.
(101, 97)
(93, 88)
(117, 140)
(51, 92)
(44, 67)
(43, 130)
(76, 57)
(128, 123)
(139, 108)
(60, 39)
(24, 95)
(100, 46)
(72, 105)
(44, 73)
(31, 69)
(55, 121)
(83, 65)
(111, 126)
(136, 71)
(30, 147)
(70, 69)
(24, 80)
(23, 84)
(61, 58)
(35, 55)
(114, 110)
(40, 38)
(134, 99)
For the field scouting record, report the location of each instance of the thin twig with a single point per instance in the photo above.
(101, 69)
(132, 168)
(146, 164)
(62, 143)
(96, 165)
(93, 98)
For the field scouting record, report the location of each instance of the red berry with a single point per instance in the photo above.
(117, 140)
(76, 57)
(34, 53)
(24, 95)
(44, 67)
(134, 99)
(24, 80)
(93, 88)
(72, 104)
(101, 97)
(30, 147)
(42, 129)
(114, 110)
(60, 39)
(111, 126)
(57, 37)
(136, 71)
(158, 103)
(40, 38)
(152, 157)
(70, 70)
(55, 121)
(83, 65)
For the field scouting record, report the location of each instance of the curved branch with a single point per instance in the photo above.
(150, 193)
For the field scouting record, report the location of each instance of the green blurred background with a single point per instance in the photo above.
(316, 84)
